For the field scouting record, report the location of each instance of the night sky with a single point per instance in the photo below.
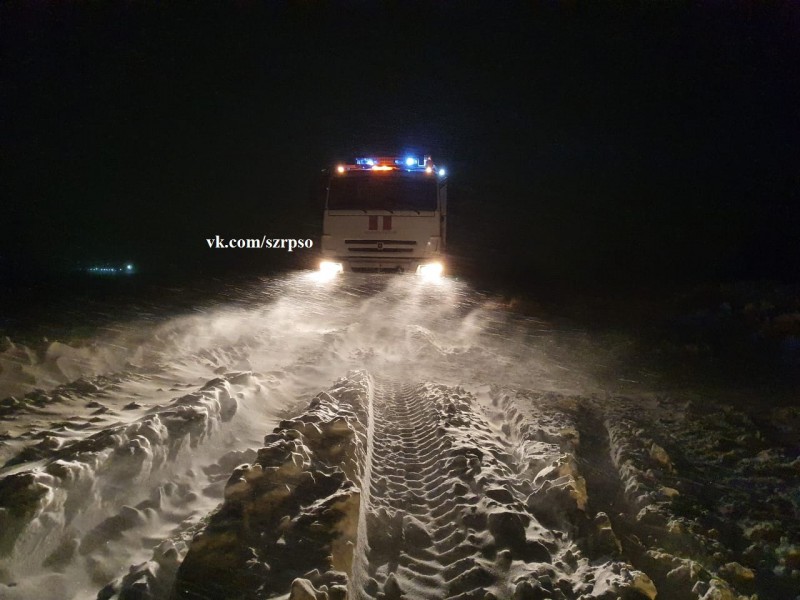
(618, 144)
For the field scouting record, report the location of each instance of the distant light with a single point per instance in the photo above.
(129, 267)
(441, 172)
(411, 161)
(429, 169)
(103, 270)
(340, 169)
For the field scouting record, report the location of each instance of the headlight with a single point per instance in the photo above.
(330, 269)
(430, 271)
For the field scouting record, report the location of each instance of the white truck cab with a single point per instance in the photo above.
(385, 214)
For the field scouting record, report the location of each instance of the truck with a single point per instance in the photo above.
(385, 214)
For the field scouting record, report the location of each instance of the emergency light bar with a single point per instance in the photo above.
(411, 164)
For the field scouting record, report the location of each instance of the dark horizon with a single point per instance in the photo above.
(616, 144)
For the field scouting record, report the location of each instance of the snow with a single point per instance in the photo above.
(378, 438)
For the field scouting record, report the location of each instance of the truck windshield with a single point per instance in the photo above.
(382, 191)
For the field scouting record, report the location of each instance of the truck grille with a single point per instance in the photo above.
(388, 246)
(381, 249)
(395, 242)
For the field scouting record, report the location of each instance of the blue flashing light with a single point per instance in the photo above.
(411, 161)
(442, 172)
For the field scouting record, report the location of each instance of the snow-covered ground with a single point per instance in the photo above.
(380, 438)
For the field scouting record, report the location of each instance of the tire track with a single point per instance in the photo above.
(411, 533)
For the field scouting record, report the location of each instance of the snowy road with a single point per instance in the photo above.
(379, 438)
